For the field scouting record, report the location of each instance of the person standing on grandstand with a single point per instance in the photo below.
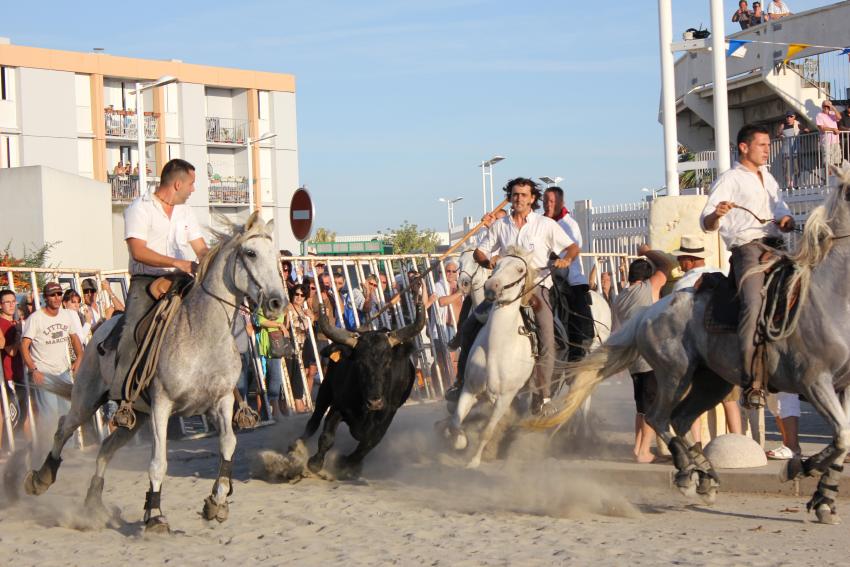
(163, 237)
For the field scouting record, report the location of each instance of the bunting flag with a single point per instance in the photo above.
(736, 47)
(794, 49)
(845, 51)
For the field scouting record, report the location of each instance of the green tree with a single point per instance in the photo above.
(35, 258)
(408, 239)
(323, 235)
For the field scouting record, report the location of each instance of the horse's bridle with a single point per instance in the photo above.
(240, 256)
(516, 281)
(478, 268)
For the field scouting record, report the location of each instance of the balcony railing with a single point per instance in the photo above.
(124, 123)
(232, 191)
(226, 130)
(125, 188)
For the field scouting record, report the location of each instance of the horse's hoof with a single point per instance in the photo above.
(157, 525)
(709, 496)
(826, 516)
(461, 441)
(33, 486)
(315, 465)
(793, 468)
(687, 483)
(215, 511)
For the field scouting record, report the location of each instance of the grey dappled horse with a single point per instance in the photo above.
(197, 370)
(696, 369)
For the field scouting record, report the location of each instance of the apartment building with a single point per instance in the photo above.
(77, 113)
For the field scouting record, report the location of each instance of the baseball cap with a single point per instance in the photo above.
(789, 114)
(88, 284)
(51, 287)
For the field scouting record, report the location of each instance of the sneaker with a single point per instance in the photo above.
(781, 453)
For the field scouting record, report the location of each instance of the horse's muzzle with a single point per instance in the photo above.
(490, 294)
(275, 307)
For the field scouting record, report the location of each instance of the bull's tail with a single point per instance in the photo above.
(617, 354)
(323, 402)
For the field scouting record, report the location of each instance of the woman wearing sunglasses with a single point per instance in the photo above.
(299, 318)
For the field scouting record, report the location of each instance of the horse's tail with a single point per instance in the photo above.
(61, 389)
(617, 354)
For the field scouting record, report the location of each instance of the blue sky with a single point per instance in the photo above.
(399, 101)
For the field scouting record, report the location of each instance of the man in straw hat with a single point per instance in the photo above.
(691, 256)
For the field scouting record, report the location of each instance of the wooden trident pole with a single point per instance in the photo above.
(452, 249)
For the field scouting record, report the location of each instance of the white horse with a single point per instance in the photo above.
(501, 360)
(471, 277)
(196, 372)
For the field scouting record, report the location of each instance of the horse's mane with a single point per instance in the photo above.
(531, 274)
(221, 238)
(817, 237)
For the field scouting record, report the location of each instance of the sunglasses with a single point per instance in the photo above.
(54, 294)
(298, 295)
(451, 271)
(85, 291)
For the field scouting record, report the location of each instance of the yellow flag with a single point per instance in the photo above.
(794, 49)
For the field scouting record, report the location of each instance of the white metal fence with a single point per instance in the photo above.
(226, 130)
(124, 124)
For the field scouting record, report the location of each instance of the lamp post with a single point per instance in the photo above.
(487, 169)
(450, 205)
(549, 181)
(248, 143)
(653, 192)
(140, 125)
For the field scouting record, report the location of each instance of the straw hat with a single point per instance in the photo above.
(691, 245)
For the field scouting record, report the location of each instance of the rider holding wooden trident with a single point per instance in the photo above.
(162, 236)
(745, 204)
(542, 237)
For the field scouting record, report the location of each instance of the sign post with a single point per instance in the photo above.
(301, 214)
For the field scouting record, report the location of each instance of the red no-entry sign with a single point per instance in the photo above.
(301, 214)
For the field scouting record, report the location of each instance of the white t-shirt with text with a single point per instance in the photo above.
(51, 337)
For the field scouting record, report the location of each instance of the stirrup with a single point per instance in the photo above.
(454, 343)
(124, 416)
(453, 393)
(753, 398)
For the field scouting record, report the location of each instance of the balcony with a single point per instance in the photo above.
(125, 188)
(229, 192)
(227, 131)
(124, 124)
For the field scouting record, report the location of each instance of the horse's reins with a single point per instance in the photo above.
(240, 257)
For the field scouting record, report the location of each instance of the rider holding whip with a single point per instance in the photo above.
(747, 208)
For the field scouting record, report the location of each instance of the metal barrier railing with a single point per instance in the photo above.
(124, 123)
(125, 188)
(226, 130)
(229, 191)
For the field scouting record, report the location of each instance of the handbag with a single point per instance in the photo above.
(279, 346)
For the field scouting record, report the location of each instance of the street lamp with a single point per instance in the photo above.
(248, 143)
(549, 181)
(450, 204)
(140, 125)
(487, 169)
(653, 192)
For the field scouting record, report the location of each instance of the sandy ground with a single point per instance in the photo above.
(416, 504)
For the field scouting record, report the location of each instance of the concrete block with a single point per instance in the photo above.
(733, 451)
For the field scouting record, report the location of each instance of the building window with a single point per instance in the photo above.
(3, 83)
(262, 105)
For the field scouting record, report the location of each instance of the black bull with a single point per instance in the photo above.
(369, 377)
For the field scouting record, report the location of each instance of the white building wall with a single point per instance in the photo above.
(48, 119)
(193, 127)
(55, 206)
(82, 94)
(285, 178)
(9, 106)
(219, 102)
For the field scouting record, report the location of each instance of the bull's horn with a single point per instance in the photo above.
(336, 334)
(406, 333)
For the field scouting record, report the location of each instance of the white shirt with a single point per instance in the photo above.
(743, 187)
(146, 220)
(539, 235)
(691, 277)
(570, 226)
(51, 337)
(773, 8)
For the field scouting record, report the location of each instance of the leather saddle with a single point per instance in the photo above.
(724, 306)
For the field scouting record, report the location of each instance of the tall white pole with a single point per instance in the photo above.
(721, 103)
(492, 203)
(484, 185)
(668, 96)
(248, 145)
(140, 140)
